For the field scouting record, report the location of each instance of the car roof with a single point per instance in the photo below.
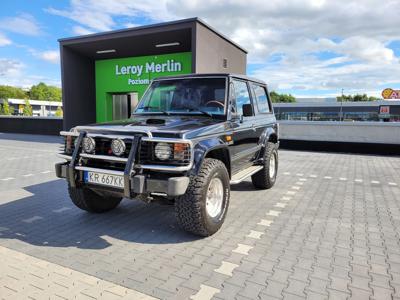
(194, 75)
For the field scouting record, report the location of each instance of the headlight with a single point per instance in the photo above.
(118, 147)
(88, 144)
(163, 151)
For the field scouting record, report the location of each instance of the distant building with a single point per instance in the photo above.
(39, 107)
(316, 100)
(384, 111)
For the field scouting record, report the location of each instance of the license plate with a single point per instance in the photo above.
(104, 179)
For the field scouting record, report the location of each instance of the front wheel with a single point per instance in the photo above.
(202, 209)
(266, 177)
(90, 201)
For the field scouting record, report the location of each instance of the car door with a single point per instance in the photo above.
(244, 135)
(264, 116)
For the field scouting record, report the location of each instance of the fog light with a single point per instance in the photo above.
(88, 144)
(163, 151)
(118, 147)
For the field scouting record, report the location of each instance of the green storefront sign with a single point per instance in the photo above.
(133, 74)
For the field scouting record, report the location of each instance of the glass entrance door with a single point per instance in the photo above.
(124, 105)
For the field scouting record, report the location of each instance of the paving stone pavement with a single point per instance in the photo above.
(328, 229)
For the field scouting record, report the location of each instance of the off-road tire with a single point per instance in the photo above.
(262, 179)
(190, 208)
(90, 201)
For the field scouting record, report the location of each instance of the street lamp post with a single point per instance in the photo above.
(341, 108)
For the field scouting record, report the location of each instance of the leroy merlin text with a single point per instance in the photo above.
(169, 66)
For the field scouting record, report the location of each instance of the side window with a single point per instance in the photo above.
(232, 98)
(261, 98)
(241, 95)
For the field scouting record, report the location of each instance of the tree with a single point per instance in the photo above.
(6, 108)
(42, 91)
(282, 98)
(59, 112)
(355, 98)
(7, 92)
(27, 109)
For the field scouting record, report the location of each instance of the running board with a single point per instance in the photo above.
(242, 175)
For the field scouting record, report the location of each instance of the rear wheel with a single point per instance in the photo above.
(202, 209)
(90, 201)
(266, 177)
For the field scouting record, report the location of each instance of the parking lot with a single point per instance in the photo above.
(329, 228)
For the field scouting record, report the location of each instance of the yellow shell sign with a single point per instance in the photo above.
(391, 94)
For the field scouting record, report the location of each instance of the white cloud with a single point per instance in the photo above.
(4, 41)
(80, 30)
(298, 32)
(23, 24)
(98, 15)
(52, 56)
(10, 67)
(13, 72)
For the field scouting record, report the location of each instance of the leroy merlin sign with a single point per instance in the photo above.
(140, 70)
(148, 68)
(133, 74)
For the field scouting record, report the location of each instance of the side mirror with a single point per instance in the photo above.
(247, 110)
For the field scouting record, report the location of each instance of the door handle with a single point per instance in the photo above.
(254, 127)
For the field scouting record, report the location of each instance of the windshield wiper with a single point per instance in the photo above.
(190, 108)
(155, 107)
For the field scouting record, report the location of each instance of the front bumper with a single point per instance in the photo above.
(134, 185)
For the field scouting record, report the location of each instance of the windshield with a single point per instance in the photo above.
(189, 96)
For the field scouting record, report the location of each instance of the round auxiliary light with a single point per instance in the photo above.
(163, 151)
(88, 144)
(118, 147)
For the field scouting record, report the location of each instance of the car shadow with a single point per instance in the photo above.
(47, 217)
(244, 186)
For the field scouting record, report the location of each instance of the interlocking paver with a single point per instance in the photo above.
(326, 237)
(274, 289)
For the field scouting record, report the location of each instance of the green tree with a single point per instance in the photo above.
(6, 108)
(355, 98)
(7, 92)
(372, 98)
(282, 98)
(59, 112)
(27, 109)
(42, 91)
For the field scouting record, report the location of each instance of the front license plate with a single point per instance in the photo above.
(104, 179)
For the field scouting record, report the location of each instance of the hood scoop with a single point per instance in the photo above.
(155, 121)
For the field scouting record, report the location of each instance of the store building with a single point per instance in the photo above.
(105, 74)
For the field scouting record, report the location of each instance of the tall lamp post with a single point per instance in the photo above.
(341, 107)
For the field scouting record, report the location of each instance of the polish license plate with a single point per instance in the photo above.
(104, 179)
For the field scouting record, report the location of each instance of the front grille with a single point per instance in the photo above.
(147, 157)
(103, 147)
(103, 164)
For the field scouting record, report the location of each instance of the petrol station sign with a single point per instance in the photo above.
(390, 94)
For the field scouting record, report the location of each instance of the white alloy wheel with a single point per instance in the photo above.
(272, 165)
(215, 197)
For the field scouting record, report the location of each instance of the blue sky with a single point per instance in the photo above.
(307, 48)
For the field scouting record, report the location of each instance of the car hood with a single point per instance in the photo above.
(159, 125)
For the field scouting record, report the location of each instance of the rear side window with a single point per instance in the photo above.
(261, 97)
(241, 95)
